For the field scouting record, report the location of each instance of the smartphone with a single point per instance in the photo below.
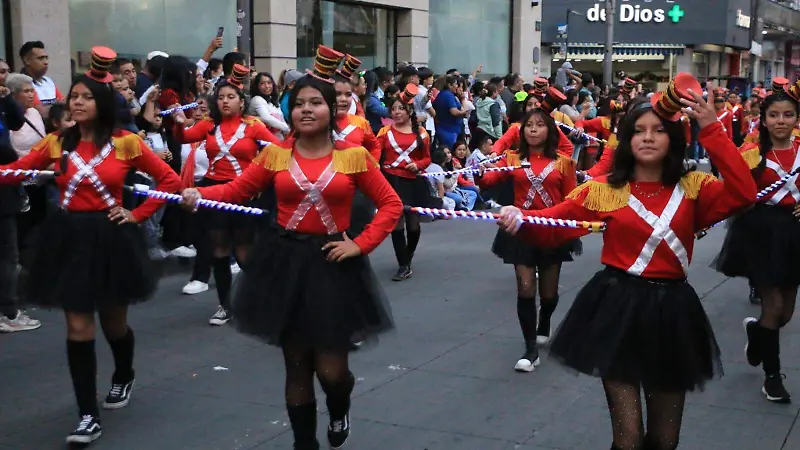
(220, 31)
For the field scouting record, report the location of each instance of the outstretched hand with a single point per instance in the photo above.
(699, 109)
(338, 251)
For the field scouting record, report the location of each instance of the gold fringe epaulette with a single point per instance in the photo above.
(693, 181)
(50, 144)
(565, 165)
(752, 157)
(513, 159)
(127, 146)
(347, 161)
(274, 158)
(383, 131)
(606, 123)
(602, 197)
(251, 120)
(613, 143)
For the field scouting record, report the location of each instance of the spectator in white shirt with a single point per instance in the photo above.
(36, 61)
(264, 104)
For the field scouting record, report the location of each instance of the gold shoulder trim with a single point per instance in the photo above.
(601, 197)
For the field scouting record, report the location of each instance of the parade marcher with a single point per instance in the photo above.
(638, 324)
(763, 243)
(355, 130)
(231, 146)
(91, 256)
(544, 181)
(309, 288)
(406, 153)
(348, 72)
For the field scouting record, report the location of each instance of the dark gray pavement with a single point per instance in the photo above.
(443, 381)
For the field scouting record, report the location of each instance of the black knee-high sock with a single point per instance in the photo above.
(771, 351)
(526, 312)
(338, 396)
(122, 349)
(304, 425)
(413, 241)
(83, 369)
(545, 314)
(400, 247)
(223, 277)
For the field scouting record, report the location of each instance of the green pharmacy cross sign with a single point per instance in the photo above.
(676, 13)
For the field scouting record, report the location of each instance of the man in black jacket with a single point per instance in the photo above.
(11, 319)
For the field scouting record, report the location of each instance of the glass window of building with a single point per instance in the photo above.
(135, 28)
(467, 33)
(366, 32)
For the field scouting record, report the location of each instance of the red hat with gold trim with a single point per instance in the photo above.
(408, 94)
(793, 90)
(779, 84)
(238, 75)
(351, 64)
(102, 59)
(668, 104)
(627, 86)
(553, 100)
(325, 64)
(540, 85)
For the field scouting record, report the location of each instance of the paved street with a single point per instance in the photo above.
(442, 381)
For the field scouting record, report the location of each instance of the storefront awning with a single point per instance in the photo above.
(654, 51)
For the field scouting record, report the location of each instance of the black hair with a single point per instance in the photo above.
(764, 139)
(672, 169)
(412, 116)
(229, 60)
(55, 114)
(28, 47)
(371, 80)
(328, 94)
(424, 73)
(104, 122)
(213, 107)
(571, 95)
(511, 79)
(256, 92)
(553, 136)
(155, 66)
(179, 75)
(438, 157)
(213, 66)
(451, 71)
(496, 80)
(489, 90)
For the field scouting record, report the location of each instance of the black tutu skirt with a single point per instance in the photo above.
(762, 245)
(289, 293)
(513, 250)
(636, 330)
(414, 191)
(82, 262)
(361, 214)
(217, 220)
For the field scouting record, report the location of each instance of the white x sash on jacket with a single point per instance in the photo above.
(537, 185)
(661, 232)
(87, 170)
(790, 187)
(225, 148)
(341, 136)
(313, 197)
(402, 154)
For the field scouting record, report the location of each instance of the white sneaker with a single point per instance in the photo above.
(21, 323)
(235, 268)
(704, 160)
(221, 317)
(195, 287)
(183, 252)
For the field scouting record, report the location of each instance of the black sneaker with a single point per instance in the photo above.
(529, 361)
(752, 348)
(119, 395)
(543, 329)
(338, 432)
(754, 297)
(403, 273)
(87, 432)
(221, 317)
(774, 391)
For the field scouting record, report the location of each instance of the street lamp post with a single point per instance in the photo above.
(566, 39)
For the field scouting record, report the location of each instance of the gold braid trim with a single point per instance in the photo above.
(752, 157)
(601, 196)
(693, 181)
(127, 147)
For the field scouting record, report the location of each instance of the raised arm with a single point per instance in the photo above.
(196, 133)
(509, 140)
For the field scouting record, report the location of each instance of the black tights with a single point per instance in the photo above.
(777, 305)
(333, 372)
(404, 249)
(664, 415)
(526, 299)
(222, 242)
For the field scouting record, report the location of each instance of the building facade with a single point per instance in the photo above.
(658, 38)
